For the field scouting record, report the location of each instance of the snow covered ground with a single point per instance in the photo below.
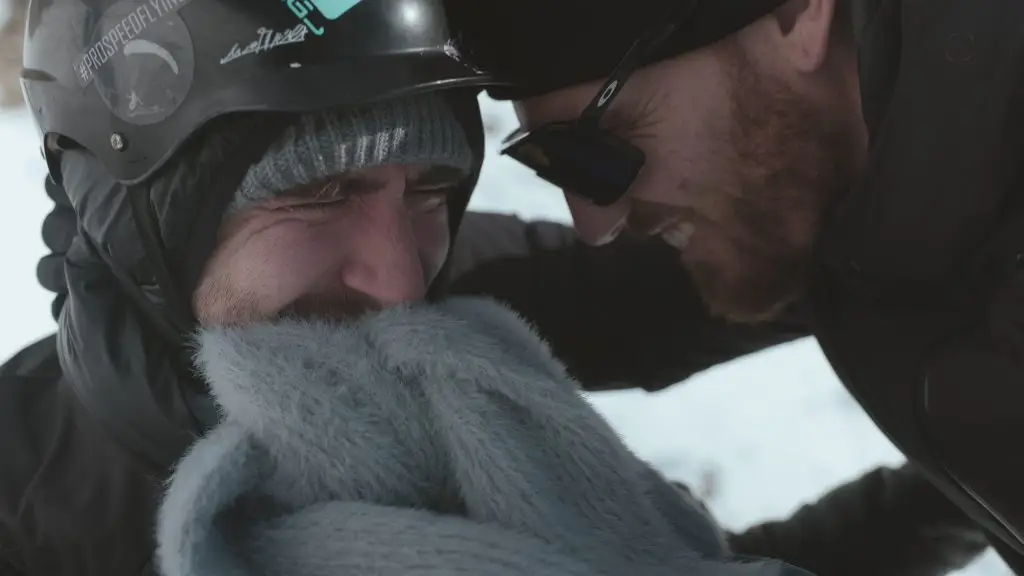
(759, 436)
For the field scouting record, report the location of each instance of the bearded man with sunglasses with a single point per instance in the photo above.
(885, 523)
(848, 162)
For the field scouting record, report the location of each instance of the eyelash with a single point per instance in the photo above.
(443, 201)
(314, 206)
(322, 206)
(333, 204)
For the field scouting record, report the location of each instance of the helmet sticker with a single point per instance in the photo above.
(328, 10)
(141, 59)
(265, 41)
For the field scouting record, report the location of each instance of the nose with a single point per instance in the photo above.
(382, 257)
(597, 225)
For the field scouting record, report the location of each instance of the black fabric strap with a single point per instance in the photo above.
(180, 314)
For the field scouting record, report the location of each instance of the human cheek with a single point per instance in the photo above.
(282, 264)
(433, 239)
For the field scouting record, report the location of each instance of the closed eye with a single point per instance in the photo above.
(421, 202)
(327, 193)
(436, 178)
(426, 190)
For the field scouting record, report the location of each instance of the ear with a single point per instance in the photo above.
(805, 28)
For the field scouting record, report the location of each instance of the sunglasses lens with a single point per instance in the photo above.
(593, 164)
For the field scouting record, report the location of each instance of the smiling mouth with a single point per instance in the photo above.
(678, 235)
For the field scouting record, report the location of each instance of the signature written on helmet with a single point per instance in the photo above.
(327, 9)
(266, 40)
(116, 35)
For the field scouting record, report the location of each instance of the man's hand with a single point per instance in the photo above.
(889, 522)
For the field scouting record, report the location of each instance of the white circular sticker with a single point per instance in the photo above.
(141, 59)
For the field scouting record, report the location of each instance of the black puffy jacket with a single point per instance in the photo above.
(919, 298)
(77, 498)
(93, 418)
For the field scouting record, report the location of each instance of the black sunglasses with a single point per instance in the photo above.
(578, 155)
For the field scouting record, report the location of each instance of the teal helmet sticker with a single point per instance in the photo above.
(327, 9)
(333, 9)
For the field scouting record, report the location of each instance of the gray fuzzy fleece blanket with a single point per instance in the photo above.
(434, 440)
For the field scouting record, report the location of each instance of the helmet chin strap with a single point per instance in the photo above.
(179, 315)
(177, 321)
(168, 326)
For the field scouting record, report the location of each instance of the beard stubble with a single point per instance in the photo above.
(789, 160)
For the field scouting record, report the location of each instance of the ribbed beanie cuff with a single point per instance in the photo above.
(416, 129)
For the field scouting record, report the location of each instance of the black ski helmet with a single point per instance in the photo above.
(131, 80)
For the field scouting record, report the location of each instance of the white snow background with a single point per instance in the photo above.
(759, 436)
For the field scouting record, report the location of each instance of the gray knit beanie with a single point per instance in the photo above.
(416, 129)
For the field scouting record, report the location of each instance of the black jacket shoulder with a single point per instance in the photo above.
(71, 502)
(919, 297)
(624, 315)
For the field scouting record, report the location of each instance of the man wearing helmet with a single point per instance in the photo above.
(296, 189)
(159, 198)
(736, 131)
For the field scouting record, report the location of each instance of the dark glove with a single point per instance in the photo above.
(889, 522)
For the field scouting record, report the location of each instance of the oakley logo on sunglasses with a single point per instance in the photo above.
(607, 94)
(328, 10)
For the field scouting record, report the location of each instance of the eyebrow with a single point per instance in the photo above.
(346, 185)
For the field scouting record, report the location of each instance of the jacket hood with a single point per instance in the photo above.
(123, 305)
